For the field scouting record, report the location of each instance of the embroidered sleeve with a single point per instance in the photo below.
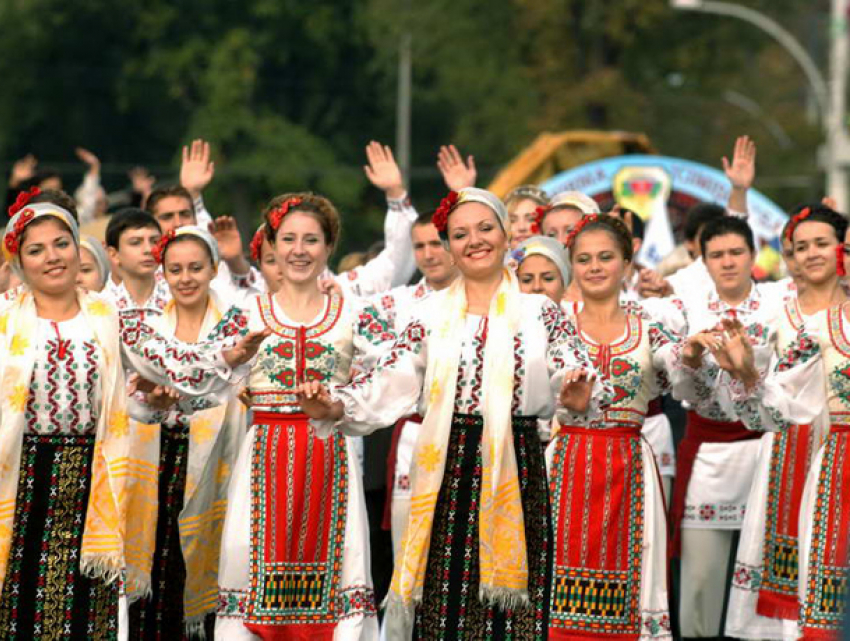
(791, 390)
(388, 391)
(567, 352)
(193, 369)
(395, 264)
(372, 337)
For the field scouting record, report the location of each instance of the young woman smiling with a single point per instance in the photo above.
(480, 360)
(608, 509)
(295, 556)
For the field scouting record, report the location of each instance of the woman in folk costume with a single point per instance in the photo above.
(482, 362)
(522, 204)
(610, 570)
(196, 447)
(543, 268)
(76, 491)
(807, 384)
(763, 602)
(295, 556)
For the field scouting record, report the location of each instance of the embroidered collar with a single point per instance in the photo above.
(750, 304)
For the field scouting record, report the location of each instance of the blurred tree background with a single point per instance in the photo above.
(290, 92)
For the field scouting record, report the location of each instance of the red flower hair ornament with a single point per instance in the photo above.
(576, 230)
(256, 245)
(839, 255)
(158, 250)
(23, 200)
(12, 242)
(440, 219)
(796, 220)
(539, 215)
(275, 216)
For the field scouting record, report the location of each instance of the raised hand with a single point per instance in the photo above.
(316, 402)
(456, 173)
(697, 345)
(141, 180)
(22, 170)
(196, 170)
(576, 390)
(652, 284)
(329, 286)
(89, 159)
(227, 235)
(246, 348)
(742, 170)
(382, 170)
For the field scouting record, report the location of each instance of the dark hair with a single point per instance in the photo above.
(820, 213)
(127, 219)
(423, 219)
(699, 215)
(722, 227)
(57, 197)
(615, 227)
(168, 191)
(188, 238)
(319, 207)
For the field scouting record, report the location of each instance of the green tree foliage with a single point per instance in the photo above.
(289, 92)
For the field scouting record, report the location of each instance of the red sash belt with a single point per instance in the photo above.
(392, 455)
(699, 430)
(654, 408)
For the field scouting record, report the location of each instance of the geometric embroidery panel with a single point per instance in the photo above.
(300, 589)
(604, 595)
(784, 559)
(833, 592)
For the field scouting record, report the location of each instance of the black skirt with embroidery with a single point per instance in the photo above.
(44, 595)
(450, 608)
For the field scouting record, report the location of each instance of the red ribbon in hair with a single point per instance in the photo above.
(256, 245)
(576, 230)
(796, 220)
(539, 215)
(13, 238)
(275, 217)
(23, 200)
(159, 249)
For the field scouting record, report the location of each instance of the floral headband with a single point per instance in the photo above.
(440, 219)
(579, 226)
(23, 200)
(275, 216)
(11, 246)
(256, 245)
(539, 215)
(158, 250)
(796, 220)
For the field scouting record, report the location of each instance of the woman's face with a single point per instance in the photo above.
(558, 223)
(188, 270)
(522, 217)
(815, 246)
(598, 265)
(477, 241)
(301, 251)
(268, 267)
(89, 276)
(539, 275)
(50, 258)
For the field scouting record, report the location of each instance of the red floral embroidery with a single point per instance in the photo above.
(275, 217)
(256, 245)
(440, 219)
(576, 230)
(13, 238)
(159, 249)
(23, 200)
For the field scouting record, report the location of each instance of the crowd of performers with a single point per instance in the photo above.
(180, 432)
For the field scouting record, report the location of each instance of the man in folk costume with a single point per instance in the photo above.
(481, 361)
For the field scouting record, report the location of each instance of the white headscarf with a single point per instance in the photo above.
(547, 247)
(22, 219)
